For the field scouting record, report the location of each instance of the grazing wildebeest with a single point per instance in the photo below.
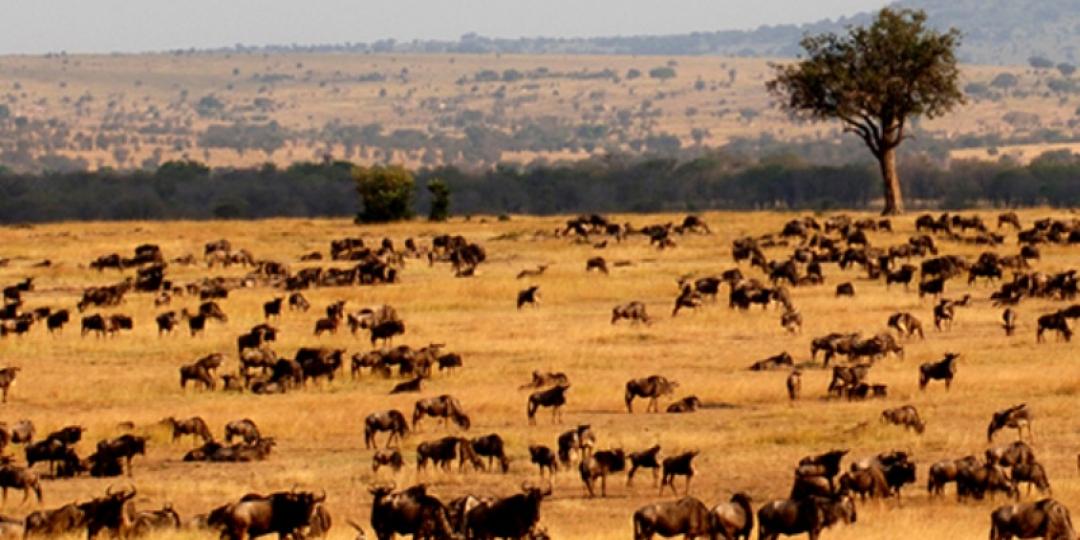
(492, 447)
(1011, 454)
(554, 397)
(810, 515)
(283, 513)
(125, 446)
(540, 380)
(687, 516)
(390, 420)
(734, 520)
(1033, 474)
(440, 452)
(1056, 322)
(15, 477)
(412, 385)
(946, 471)
(1017, 417)
(906, 325)
(1008, 321)
(792, 321)
(197, 373)
(194, 426)
(645, 459)
(794, 384)
(845, 289)
(678, 465)
(245, 429)
(533, 272)
(166, 322)
(906, 416)
(633, 312)
(409, 512)
(111, 512)
(449, 362)
(978, 480)
(510, 517)
(544, 458)
(904, 275)
(652, 387)
(388, 458)
(943, 370)
(530, 296)
(386, 330)
(687, 404)
(297, 302)
(444, 407)
(596, 263)
(1046, 518)
(52, 523)
(600, 464)
(864, 482)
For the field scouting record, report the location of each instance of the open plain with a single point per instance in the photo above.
(749, 434)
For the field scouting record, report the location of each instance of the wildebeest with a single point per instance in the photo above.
(826, 465)
(544, 458)
(906, 325)
(386, 330)
(1017, 417)
(52, 523)
(810, 515)
(412, 385)
(687, 404)
(652, 387)
(412, 511)
(687, 516)
(389, 420)
(529, 296)
(197, 373)
(543, 379)
(297, 302)
(778, 361)
(943, 472)
(845, 289)
(976, 481)
(515, 516)
(734, 520)
(794, 384)
(633, 312)
(492, 447)
(15, 477)
(943, 370)
(55, 321)
(111, 513)
(688, 298)
(1046, 518)
(678, 465)
(245, 429)
(580, 438)
(149, 522)
(283, 513)
(194, 426)
(272, 308)
(596, 263)
(7, 379)
(792, 321)
(440, 452)
(125, 446)
(444, 407)
(598, 466)
(1033, 474)
(645, 459)
(1056, 322)
(387, 458)
(906, 416)
(554, 397)
(1008, 321)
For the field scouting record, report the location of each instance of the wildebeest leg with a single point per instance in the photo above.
(603, 485)
(655, 476)
(630, 474)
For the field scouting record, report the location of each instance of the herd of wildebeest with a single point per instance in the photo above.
(823, 493)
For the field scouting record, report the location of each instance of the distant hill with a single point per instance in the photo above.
(1000, 32)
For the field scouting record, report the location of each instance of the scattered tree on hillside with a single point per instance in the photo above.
(874, 80)
(440, 200)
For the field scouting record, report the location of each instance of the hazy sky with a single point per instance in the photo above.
(36, 26)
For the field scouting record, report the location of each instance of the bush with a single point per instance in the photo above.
(662, 73)
(385, 192)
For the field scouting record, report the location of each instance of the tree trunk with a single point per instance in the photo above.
(894, 200)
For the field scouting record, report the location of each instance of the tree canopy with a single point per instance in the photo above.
(874, 79)
(386, 193)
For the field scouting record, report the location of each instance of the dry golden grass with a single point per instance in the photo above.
(752, 447)
(324, 88)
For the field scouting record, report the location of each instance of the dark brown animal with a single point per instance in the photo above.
(678, 465)
(652, 387)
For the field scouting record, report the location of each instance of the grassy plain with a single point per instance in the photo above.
(751, 446)
(151, 99)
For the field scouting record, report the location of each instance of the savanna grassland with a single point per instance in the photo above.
(749, 434)
(245, 109)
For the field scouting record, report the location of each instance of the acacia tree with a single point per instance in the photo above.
(386, 193)
(873, 80)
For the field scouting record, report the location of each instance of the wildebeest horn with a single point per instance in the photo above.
(354, 525)
(108, 490)
(322, 497)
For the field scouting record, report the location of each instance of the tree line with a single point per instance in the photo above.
(190, 190)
